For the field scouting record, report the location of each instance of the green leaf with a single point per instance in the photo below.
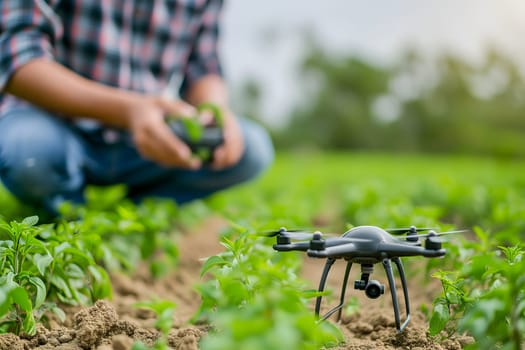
(165, 319)
(193, 128)
(203, 153)
(42, 261)
(439, 319)
(29, 324)
(212, 262)
(171, 249)
(5, 299)
(157, 306)
(58, 312)
(158, 268)
(21, 298)
(62, 286)
(78, 257)
(138, 345)
(30, 220)
(314, 293)
(216, 111)
(41, 292)
(102, 287)
(61, 247)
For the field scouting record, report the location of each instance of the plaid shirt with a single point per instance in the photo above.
(137, 45)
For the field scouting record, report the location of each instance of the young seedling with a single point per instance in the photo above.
(120, 233)
(164, 310)
(39, 266)
(255, 300)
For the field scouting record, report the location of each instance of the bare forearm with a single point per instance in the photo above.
(53, 87)
(210, 88)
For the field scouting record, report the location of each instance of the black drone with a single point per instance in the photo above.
(367, 246)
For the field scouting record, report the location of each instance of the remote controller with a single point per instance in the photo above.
(201, 139)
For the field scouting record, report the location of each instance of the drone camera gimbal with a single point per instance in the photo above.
(373, 288)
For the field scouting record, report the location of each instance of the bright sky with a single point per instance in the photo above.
(261, 39)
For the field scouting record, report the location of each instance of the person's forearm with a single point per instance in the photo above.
(210, 88)
(52, 86)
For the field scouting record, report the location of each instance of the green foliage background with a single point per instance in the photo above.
(331, 191)
(419, 103)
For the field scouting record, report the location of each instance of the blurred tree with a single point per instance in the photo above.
(444, 104)
(248, 99)
(335, 109)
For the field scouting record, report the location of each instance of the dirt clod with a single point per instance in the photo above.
(10, 342)
(94, 323)
(185, 339)
(122, 342)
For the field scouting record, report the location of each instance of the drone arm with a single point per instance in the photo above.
(429, 253)
(339, 251)
(402, 249)
(301, 246)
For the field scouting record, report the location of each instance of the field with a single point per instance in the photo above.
(115, 275)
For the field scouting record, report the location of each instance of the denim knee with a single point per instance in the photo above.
(37, 156)
(259, 151)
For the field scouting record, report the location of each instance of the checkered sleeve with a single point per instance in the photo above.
(27, 31)
(204, 57)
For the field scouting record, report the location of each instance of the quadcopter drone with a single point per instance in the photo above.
(367, 246)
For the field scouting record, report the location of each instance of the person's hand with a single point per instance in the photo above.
(230, 152)
(153, 138)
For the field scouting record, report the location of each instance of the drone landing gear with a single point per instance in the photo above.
(373, 289)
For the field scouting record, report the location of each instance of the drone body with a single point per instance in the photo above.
(370, 245)
(367, 246)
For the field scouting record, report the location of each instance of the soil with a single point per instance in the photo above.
(117, 324)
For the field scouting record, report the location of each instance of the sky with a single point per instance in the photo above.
(262, 39)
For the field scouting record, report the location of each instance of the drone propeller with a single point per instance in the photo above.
(292, 234)
(411, 229)
(272, 233)
(437, 234)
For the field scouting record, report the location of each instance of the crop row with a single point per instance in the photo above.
(47, 266)
(253, 296)
(482, 275)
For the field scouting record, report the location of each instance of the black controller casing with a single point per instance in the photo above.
(211, 138)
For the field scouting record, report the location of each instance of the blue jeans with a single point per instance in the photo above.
(46, 160)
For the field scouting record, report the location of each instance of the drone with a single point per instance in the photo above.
(367, 246)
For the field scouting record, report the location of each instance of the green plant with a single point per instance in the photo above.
(485, 294)
(449, 307)
(256, 301)
(72, 275)
(38, 268)
(24, 259)
(496, 318)
(164, 310)
(121, 233)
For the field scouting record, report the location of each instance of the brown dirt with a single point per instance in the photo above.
(116, 324)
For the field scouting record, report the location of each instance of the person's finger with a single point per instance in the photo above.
(219, 157)
(160, 145)
(177, 108)
(206, 117)
(177, 152)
